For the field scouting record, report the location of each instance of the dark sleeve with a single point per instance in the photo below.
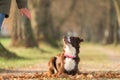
(21, 3)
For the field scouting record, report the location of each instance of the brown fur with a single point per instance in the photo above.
(56, 64)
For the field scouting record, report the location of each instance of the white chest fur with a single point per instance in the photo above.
(70, 50)
(69, 64)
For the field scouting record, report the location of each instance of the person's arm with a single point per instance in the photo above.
(22, 5)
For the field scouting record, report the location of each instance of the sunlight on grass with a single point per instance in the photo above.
(5, 41)
(89, 52)
(89, 55)
(113, 47)
(94, 58)
(30, 55)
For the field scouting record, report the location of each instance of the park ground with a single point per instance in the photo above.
(94, 58)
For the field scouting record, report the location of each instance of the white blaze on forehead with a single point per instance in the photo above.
(68, 38)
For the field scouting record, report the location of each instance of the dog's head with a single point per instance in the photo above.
(72, 44)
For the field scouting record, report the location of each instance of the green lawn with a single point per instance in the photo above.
(88, 53)
(30, 55)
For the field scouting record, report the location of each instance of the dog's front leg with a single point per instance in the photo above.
(62, 70)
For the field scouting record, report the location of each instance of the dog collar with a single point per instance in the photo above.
(68, 56)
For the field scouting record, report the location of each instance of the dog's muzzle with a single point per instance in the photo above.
(67, 39)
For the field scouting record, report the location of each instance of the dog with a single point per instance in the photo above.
(66, 62)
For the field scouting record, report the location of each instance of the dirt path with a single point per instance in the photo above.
(114, 58)
(112, 54)
(110, 62)
(36, 68)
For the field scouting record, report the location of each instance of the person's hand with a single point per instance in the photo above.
(25, 11)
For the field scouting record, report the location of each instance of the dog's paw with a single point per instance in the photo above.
(47, 74)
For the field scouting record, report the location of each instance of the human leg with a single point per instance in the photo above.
(2, 16)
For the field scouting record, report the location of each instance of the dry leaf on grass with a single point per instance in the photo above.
(41, 76)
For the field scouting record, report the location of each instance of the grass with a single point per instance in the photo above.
(88, 53)
(31, 55)
(91, 57)
(113, 47)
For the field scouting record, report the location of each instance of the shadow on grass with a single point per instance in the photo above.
(10, 55)
(6, 54)
(44, 51)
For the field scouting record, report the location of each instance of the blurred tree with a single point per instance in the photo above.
(117, 26)
(22, 31)
(95, 20)
(42, 21)
(117, 9)
(47, 24)
(108, 30)
(15, 27)
(28, 37)
(112, 29)
(37, 16)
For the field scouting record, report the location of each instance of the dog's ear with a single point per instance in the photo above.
(80, 40)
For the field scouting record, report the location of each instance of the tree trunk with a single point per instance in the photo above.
(14, 41)
(116, 4)
(29, 40)
(117, 9)
(42, 21)
(109, 29)
(22, 34)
